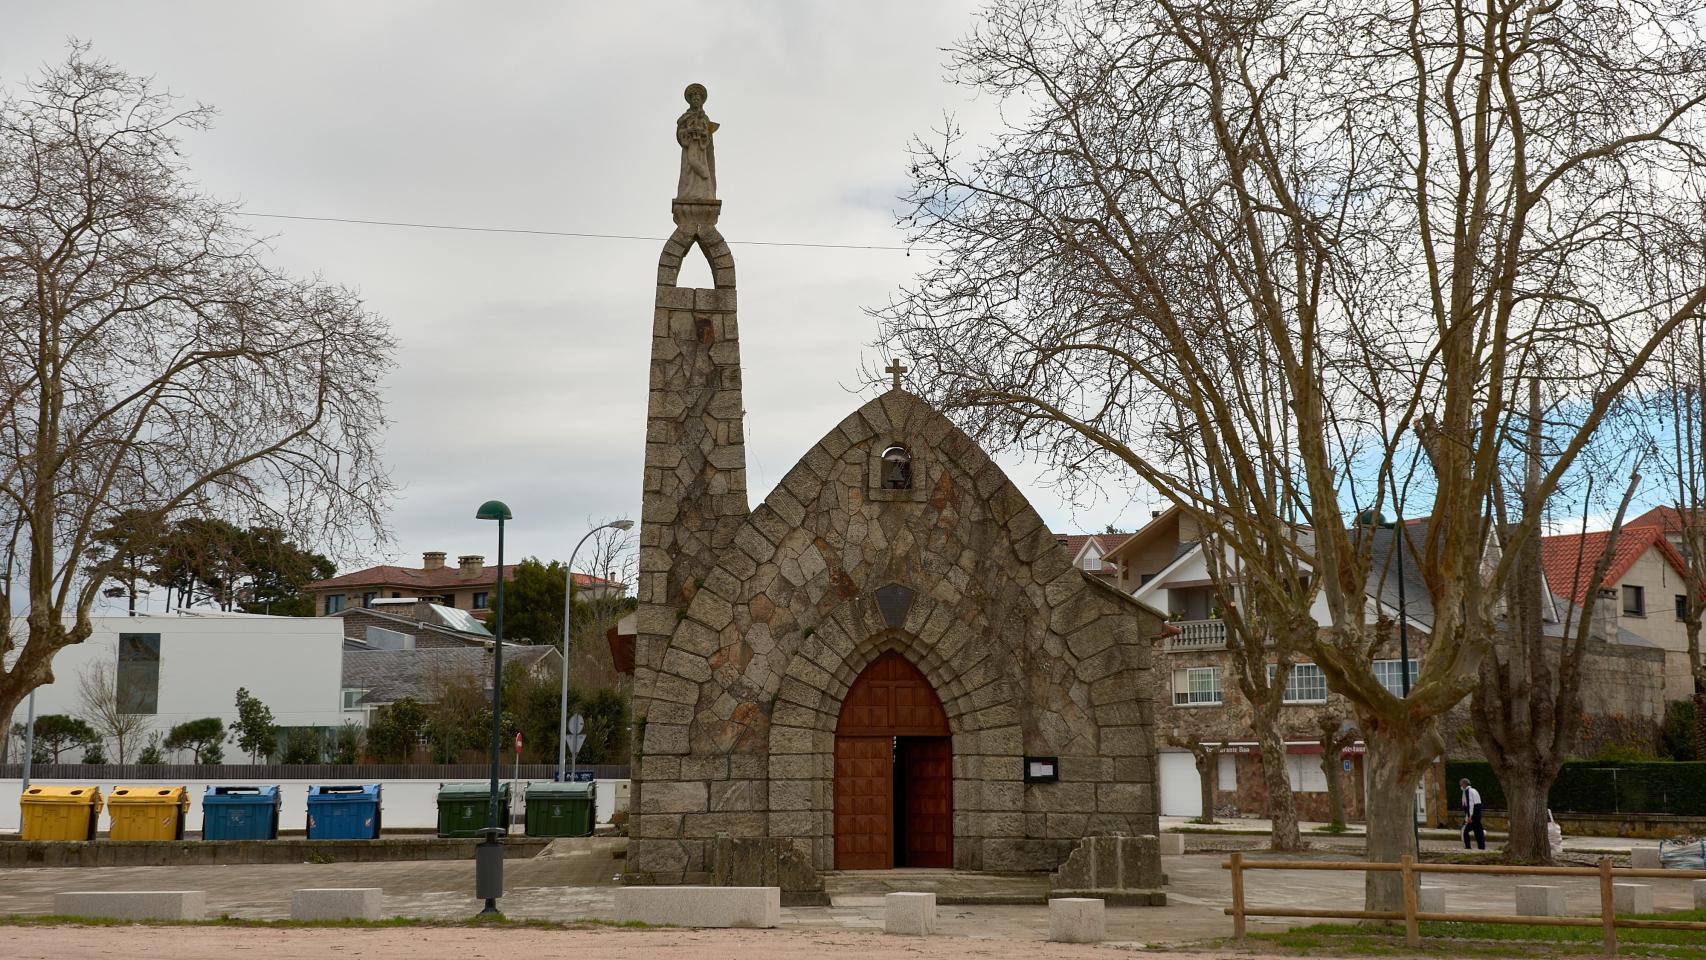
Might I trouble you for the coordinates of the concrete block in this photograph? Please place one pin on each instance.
(912, 914)
(1699, 894)
(1644, 858)
(1172, 844)
(1632, 897)
(701, 906)
(1539, 900)
(1430, 899)
(1076, 920)
(133, 904)
(337, 903)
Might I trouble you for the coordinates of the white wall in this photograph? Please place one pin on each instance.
(293, 664)
(403, 804)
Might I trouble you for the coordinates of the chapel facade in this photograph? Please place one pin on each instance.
(889, 662)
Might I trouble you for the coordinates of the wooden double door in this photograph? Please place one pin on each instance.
(894, 772)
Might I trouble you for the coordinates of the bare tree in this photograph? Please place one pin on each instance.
(100, 705)
(1392, 208)
(151, 365)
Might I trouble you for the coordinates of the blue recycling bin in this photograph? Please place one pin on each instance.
(239, 813)
(346, 812)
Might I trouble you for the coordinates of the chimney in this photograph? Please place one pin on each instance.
(1154, 514)
(1605, 616)
(471, 564)
(433, 560)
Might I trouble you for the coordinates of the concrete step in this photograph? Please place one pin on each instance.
(956, 887)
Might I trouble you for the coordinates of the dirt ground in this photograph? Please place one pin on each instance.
(226, 943)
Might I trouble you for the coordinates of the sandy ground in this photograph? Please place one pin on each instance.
(225, 943)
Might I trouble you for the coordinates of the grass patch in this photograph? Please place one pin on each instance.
(1470, 939)
(478, 920)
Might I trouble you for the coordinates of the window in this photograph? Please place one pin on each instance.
(352, 698)
(449, 599)
(897, 469)
(139, 673)
(1682, 606)
(479, 601)
(368, 597)
(1305, 684)
(1144, 578)
(334, 603)
(1194, 686)
(1390, 674)
(1634, 600)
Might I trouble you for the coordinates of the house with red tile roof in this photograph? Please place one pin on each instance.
(470, 585)
(1645, 590)
(1088, 549)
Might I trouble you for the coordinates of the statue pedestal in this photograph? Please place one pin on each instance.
(695, 212)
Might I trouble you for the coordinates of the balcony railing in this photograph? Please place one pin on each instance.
(1198, 635)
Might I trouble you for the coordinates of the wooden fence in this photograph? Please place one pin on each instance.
(1410, 870)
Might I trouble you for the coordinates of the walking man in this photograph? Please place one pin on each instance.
(1472, 815)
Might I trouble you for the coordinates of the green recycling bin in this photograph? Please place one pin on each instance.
(465, 808)
(561, 809)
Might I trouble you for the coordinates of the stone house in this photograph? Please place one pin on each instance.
(469, 586)
(1645, 591)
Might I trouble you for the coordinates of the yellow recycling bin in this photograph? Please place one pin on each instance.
(148, 813)
(60, 813)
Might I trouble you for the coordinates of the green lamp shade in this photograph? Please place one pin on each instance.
(493, 510)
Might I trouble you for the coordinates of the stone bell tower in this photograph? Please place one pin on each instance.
(695, 478)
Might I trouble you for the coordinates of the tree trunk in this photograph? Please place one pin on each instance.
(1391, 807)
(1330, 756)
(1699, 724)
(1282, 806)
(1526, 805)
(1208, 774)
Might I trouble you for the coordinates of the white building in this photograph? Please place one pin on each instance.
(181, 667)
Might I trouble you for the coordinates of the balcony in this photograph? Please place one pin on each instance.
(1197, 635)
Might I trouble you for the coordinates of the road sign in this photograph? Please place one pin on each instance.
(577, 723)
(575, 741)
(518, 743)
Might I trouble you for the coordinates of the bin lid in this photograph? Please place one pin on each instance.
(470, 791)
(240, 795)
(149, 793)
(343, 791)
(552, 790)
(78, 795)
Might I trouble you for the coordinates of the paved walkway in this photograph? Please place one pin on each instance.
(581, 886)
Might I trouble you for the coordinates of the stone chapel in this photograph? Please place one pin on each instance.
(889, 662)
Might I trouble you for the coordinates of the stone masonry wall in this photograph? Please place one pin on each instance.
(1029, 656)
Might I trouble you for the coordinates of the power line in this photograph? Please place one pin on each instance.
(579, 234)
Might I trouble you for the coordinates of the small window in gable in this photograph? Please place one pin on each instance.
(897, 469)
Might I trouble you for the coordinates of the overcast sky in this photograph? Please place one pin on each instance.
(522, 366)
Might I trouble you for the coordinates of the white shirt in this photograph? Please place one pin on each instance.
(1471, 799)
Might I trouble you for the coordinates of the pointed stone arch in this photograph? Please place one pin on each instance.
(710, 243)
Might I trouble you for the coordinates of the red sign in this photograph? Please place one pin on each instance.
(518, 743)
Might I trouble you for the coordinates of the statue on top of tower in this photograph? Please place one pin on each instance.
(693, 131)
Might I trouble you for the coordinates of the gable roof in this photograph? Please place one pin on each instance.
(420, 578)
(1076, 543)
(1569, 559)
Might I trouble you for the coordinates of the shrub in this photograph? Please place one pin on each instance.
(1676, 740)
(301, 746)
(1598, 786)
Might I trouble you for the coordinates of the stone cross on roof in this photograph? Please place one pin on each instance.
(895, 369)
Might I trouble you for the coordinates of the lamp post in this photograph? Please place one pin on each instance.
(488, 855)
(568, 614)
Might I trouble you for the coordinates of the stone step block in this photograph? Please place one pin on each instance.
(1076, 920)
(1172, 844)
(1430, 899)
(701, 906)
(1632, 897)
(910, 914)
(1644, 858)
(337, 903)
(132, 904)
(1539, 900)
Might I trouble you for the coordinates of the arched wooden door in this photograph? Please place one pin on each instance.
(894, 778)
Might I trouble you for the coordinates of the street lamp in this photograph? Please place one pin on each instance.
(568, 612)
(488, 855)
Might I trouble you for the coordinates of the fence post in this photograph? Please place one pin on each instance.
(1607, 907)
(1412, 930)
(1237, 860)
